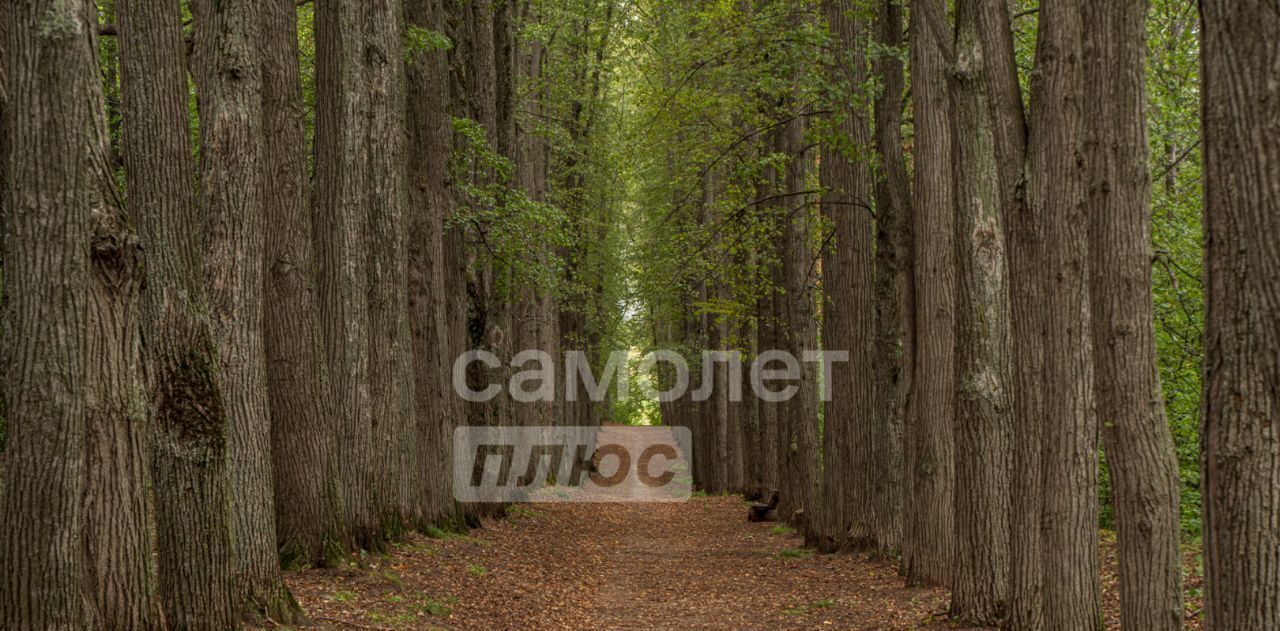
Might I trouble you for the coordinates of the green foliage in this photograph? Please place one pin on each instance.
(520, 236)
(419, 40)
(477, 570)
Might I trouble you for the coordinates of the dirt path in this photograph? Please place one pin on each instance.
(695, 565)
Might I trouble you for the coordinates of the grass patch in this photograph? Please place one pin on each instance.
(825, 603)
(417, 548)
(390, 618)
(477, 570)
(433, 607)
(342, 597)
(393, 578)
(782, 529)
(796, 553)
(523, 512)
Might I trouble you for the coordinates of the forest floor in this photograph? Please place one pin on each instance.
(695, 565)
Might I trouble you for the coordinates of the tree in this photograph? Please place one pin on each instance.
(1069, 466)
(930, 453)
(229, 85)
(984, 404)
(390, 342)
(895, 275)
(1023, 241)
(119, 541)
(54, 184)
(1240, 453)
(339, 204)
(1139, 447)
(852, 429)
(308, 506)
(190, 468)
(799, 414)
(431, 205)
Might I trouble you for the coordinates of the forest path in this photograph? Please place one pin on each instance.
(692, 565)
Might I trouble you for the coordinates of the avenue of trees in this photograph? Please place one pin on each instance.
(243, 242)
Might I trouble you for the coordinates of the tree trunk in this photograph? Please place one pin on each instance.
(228, 81)
(984, 403)
(118, 534)
(895, 284)
(338, 216)
(852, 430)
(1023, 240)
(930, 453)
(391, 347)
(1069, 527)
(308, 504)
(799, 414)
(190, 472)
(54, 185)
(1139, 446)
(431, 206)
(1239, 441)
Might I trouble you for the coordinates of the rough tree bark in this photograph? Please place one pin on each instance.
(1023, 237)
(799, 414)
(766, 339)
(431, 205)
(118, 537)
(190, 468)
(229, 85)
(852, 430)
(895, 277)
(1139, 446)
(1069, 467)
(304, 449)
(1239, 433)
(929, 531)
(984, 403)
(53, 186)
(338, 217)
(391, 386)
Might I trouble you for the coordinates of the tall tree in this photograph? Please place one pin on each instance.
(391, 346)
(341, 237)
(229, 86)
(119, 539)
(190, 472)
(54, 181)
(431, 205)
(984, 404)
(895, 275)
(1023, 241)
(1069, 465)
(1139, 446)
(1240, 446)
(308, 504)
(930, 453)
(851, 430)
